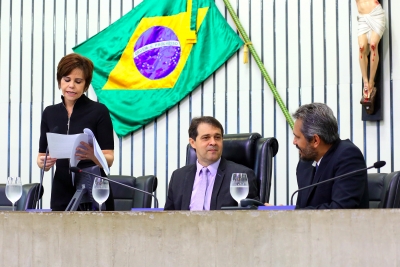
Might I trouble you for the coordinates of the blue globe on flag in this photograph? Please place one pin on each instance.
(157, 52)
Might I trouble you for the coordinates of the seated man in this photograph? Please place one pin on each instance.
(322, 156)
(206, 184)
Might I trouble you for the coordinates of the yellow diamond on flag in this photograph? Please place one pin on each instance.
(156, 53)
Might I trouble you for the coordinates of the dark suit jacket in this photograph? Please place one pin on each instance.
(344, 193)
(182, 180)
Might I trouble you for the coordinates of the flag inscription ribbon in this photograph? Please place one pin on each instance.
(155, 55)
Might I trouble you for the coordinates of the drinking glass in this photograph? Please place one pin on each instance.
(13, 190)
(239, 186)
(100, 191)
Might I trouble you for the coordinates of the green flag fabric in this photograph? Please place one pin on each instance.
(155, 55)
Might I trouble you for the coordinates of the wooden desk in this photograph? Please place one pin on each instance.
(216, 238)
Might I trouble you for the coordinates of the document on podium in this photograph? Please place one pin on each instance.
(63, 146)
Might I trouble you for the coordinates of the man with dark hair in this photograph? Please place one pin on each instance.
(206, 184)
(322, 156)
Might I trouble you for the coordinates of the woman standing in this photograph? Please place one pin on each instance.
(71, 116)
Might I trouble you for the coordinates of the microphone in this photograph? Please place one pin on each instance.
(37, 198)
(377, 165)
(77, 170)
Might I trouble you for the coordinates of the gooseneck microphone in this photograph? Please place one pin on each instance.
(38, 192)
(77, 170)
(37, 197)
(377, 165)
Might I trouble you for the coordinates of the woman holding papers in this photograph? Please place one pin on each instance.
(75, 112)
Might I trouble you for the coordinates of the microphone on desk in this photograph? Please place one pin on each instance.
(377, 165)
(38, 196)
(77, 170)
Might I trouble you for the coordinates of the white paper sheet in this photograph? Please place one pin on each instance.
(97, 150)
(63, 146)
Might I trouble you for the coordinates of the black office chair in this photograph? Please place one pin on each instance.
(27, 201)
(250, 150)
(384, 190)
(126, 198)
(376, 184)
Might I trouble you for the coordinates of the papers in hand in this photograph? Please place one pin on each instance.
(63, 146)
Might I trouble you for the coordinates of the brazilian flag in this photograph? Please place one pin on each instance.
(155, 55)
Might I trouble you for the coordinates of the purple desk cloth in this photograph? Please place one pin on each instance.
(38, 210)
(276, 207)
(148, 209)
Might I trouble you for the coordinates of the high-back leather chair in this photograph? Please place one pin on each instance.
(250, 150)
(376, 185)
(384, 190)
(27, 201)
(127, 198)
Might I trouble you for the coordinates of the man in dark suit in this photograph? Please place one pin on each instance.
(206, 184)
(322, 156)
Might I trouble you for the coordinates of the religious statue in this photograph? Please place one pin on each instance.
(371, 25)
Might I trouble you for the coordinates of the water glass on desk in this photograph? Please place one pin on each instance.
(239, 186)
(13, 190)
(100, 190)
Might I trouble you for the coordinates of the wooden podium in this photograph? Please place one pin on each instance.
(209, 238)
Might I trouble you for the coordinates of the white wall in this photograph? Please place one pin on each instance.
(309, 48)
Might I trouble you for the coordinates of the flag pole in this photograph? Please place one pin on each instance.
(259, 63)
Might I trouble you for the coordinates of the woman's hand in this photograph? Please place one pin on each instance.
(85, 152)
(49, 161)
